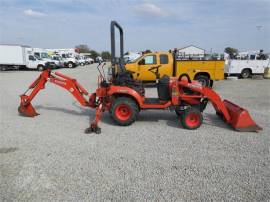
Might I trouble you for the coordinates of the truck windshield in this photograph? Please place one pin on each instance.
(132, 60)
(44, 55)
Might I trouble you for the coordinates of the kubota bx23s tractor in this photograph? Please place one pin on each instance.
(124, 98)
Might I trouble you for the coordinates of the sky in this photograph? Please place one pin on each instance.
(148, 24)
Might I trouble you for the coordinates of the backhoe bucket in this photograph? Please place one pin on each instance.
(240, 118)
(26, 108)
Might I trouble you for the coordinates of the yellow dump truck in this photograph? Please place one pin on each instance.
(205, 71)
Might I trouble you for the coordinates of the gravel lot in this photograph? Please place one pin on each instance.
(49, 158)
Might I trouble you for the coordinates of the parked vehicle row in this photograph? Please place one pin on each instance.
(206, 71)
(18, 57)
(25, 57)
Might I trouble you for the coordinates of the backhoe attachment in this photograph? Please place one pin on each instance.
(57, 78)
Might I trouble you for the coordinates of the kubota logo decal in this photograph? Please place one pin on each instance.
(195, 86)
(123, 91)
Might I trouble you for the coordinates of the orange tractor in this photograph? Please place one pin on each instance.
(123, 97)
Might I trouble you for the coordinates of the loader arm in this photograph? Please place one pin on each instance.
(231, 113)
(57, 78)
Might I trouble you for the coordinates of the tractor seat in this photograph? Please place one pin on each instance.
(125, 79)
(163, 88)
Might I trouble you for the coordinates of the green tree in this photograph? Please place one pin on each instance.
(231, 51)
(83, 48)
(106, 55)
(94, 54)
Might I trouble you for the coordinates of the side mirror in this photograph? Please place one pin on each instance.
(142, 62)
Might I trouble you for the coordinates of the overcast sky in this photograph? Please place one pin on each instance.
(147, 24)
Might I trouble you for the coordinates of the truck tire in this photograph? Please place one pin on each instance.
(3, 68)
(191, 118)
(203, 79)
(124, 111)
(40, 68)
(246, 73)
(70, 65)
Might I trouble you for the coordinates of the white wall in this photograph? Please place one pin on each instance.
(191, 50)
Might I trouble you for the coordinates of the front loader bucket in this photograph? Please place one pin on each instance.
(240, 118)
(26, 108)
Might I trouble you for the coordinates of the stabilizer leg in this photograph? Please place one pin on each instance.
(94, 124)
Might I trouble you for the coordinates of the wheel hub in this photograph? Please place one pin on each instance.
(123, 112)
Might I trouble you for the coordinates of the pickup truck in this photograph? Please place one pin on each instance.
(205, 71)
(247, 64)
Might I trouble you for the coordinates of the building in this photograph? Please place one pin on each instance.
(191, 52)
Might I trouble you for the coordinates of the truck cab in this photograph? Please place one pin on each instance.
(33, 62)
(58, 60)
(69, 60)
(141, 65)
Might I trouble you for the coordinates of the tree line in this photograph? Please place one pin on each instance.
(106, 55)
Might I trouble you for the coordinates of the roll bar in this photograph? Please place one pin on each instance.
(113, 58)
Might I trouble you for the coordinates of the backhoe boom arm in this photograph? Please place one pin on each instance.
(57, 78)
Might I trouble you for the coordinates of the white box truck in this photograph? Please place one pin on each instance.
(18, 57)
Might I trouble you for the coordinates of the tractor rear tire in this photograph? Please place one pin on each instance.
(191, 118)
(124, 111)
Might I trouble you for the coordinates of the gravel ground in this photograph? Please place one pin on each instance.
(49, 158)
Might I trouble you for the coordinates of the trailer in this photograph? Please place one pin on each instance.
(19, 57)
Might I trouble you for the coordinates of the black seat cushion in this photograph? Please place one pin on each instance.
(164, 88)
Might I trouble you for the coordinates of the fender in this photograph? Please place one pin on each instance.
(127, 91)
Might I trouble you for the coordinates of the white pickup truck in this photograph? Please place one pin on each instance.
(19, 57)
(67, 55)
(69, 61)
(250, 64)
(42, 54)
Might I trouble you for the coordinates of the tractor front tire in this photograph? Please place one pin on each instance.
(124, 111)
(191, 118)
